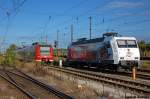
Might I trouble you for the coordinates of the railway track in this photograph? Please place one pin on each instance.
(140, 74)
(145, 58)
(27, 93)
(144, 70)
(138, 87)
(31, 87)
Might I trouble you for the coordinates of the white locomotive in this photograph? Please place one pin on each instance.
(111, 51)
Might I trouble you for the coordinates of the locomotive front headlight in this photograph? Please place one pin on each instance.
(121, 57)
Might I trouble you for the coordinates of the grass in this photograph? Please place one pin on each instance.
(146, 64)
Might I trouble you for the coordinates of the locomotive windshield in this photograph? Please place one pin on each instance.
(45, 51)
(127, 44)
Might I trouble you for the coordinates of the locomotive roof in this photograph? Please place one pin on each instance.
(114, 34)
(29, 46)
(42, 44)
(84, 41)
(46, 45)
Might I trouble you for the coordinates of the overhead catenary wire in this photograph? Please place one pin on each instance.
(8, 16)
(63, 13)
(12, 11)
(88, 11)
(45, 27)
(69, 21)
(129, 23)
(78, 16)
(104, 21)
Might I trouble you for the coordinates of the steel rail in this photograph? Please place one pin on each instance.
(98, 74)
(144, 70)
(104, 74)
(127, 84)
(27, 93)
(142, 75)
(41, 84)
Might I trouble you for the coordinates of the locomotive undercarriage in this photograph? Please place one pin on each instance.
(101, 66)
(129, 64)
(126, 65)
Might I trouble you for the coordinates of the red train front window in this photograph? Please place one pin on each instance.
(45, 51)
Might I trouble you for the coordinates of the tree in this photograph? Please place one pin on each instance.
(10, 55)
(148, 47)
(144, 48)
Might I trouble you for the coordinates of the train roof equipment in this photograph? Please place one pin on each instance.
(114, 34)
(100, 39)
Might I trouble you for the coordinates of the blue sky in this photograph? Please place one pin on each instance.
(32, 20)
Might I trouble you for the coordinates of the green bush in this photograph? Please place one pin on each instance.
(10, 56)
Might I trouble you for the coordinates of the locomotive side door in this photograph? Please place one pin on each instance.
(115, 52)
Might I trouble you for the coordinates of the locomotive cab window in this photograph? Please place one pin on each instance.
(121, 43)
(126, 43)
(131, 43)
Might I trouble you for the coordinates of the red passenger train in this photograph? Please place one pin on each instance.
(37, 52)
